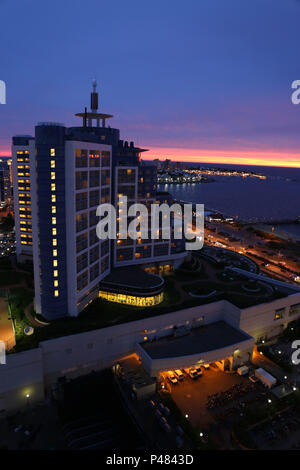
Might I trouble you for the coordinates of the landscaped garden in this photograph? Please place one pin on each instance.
(198, 281)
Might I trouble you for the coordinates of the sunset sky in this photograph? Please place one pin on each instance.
(205, 80)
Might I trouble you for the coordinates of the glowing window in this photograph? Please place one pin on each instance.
(53, 209)
(55, 263)
(55, 273)
(52, 152)
(54, 231)
(56, 293)
(52, 163)
(53, 220)
(54, 252)
(54, 242)
(55, 283)
(53, 187)
(53, 175)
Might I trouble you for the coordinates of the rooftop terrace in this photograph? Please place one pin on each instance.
(198, 282)
(206, 338)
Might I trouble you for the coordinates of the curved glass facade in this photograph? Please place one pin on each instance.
(150, 301)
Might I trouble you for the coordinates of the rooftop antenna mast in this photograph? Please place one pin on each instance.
(94, 115)
(94, 97)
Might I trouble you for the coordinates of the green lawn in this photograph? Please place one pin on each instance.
(99, 314)
(18, 300)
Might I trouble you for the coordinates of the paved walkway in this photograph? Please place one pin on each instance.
(7, 334)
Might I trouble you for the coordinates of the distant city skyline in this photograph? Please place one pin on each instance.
(210, 83)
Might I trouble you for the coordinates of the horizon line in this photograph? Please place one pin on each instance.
(268, 158)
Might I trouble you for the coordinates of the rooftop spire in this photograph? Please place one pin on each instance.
(89, 116)
(94, 96)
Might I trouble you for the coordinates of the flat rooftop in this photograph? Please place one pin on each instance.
(206, 338)
(132, 276)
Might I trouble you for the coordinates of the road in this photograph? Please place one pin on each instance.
(241, 240)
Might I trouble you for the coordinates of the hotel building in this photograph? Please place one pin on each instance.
(22, 150)
(60, 177)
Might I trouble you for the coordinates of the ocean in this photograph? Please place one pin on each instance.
(276, 199)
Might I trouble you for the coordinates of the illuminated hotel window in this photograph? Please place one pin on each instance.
(55, 263)
(54, 252)
(55, 273)
(53, 209)
(53, 175)
(54, 231)
(56, 293)
(53, 198)
(54, 242)
(52, 152)
(53, 220)
(132, 300)
(55, 283)
(52, 163)
(279, 313)
(53, 187)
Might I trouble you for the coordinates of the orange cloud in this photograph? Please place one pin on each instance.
(5, 153)
(253, 157)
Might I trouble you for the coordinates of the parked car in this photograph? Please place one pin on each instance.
(193, 373)
(179, 374)
(172, 377)
(198, 370)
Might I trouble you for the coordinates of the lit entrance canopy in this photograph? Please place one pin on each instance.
(209, 343)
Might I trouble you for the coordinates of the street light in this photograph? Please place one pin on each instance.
(186, 416)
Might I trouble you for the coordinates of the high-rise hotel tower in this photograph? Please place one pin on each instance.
(60, 177)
